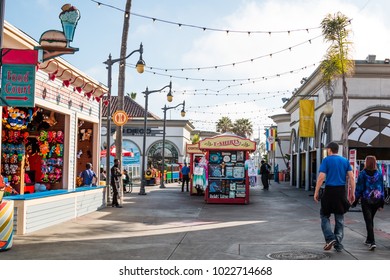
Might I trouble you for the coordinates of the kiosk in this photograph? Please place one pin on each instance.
(228, 182)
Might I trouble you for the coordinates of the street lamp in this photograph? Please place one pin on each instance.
(328, 111)
(140, 69)
(169, 99)
(182, 113)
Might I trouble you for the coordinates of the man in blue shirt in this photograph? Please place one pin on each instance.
(335, 169)
(185, 172)
(87, 175)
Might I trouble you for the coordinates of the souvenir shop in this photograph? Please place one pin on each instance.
(226, 158)
(32, 149)
(49, 131)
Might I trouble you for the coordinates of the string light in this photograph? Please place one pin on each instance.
(237, 103)
(233, 80)
(248, 32)
(185, 92)
(234, 63)
(247, 113)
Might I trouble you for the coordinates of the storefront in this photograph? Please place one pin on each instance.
(46, 146)
(368, 121)
(178, 133)
(228, 180)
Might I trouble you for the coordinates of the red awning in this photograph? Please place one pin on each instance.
(125, 153)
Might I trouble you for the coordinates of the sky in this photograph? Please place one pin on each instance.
(233, 58)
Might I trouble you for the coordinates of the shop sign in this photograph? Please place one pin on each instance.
(193, 149)
(17, 85)
(134, 131)
(18, 78)
(227, 143)
(120, 118)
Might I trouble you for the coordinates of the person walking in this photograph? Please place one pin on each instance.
(87, 175)
(370, 191)
(116, 176)
(334, 170)
(264, 172)
(185, 172)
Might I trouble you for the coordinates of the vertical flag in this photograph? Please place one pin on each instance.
(306, 118)
(270, 134)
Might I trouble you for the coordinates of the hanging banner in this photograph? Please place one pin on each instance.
(306, 118)
(270, 134)
(18, 77)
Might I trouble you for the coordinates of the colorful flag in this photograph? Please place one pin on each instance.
(270, 134)
(306, 118)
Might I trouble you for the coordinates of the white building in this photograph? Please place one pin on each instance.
(177, 134)
(368, 120)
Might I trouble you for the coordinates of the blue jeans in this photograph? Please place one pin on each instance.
(338, 232)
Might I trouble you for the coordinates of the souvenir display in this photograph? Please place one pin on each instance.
(30, 155)
(228, 181)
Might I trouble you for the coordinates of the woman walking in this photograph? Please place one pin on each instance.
(370, 190)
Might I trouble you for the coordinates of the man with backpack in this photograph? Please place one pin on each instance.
(264, 172)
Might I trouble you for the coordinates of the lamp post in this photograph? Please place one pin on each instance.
(140, 69)
(328, 111)
(169, 99)
(182, 113)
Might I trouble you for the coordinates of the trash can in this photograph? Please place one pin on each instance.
(6, 224)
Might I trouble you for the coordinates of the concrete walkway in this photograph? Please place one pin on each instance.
(167, 224)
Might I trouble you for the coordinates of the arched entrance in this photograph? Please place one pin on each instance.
(133, 163)
(155, 154)
(369, 134)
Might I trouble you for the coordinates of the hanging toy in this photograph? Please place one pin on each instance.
(13, 158)
(52, 150)
(52, 178)
(44, 166)
(60, 162)
(42, 136)
(60, 137)
(58, 173)
(57, 150)
(25, 137)
(44, 149)
(45, 178)
(15, 179)
(5, 158)
(4, 136)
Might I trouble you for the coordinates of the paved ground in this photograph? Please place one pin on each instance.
(166, 224)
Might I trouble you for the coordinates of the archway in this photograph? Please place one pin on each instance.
(155, 154)
(369, 134)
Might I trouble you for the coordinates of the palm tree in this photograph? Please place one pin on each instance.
(195, 138)
(224, 125)
(121, 75)
(243, 127)
(337, 63)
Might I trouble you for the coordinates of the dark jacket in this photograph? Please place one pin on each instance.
(115, 175)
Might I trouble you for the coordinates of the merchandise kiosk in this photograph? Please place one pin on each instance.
(197, 186)
(228, 181)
